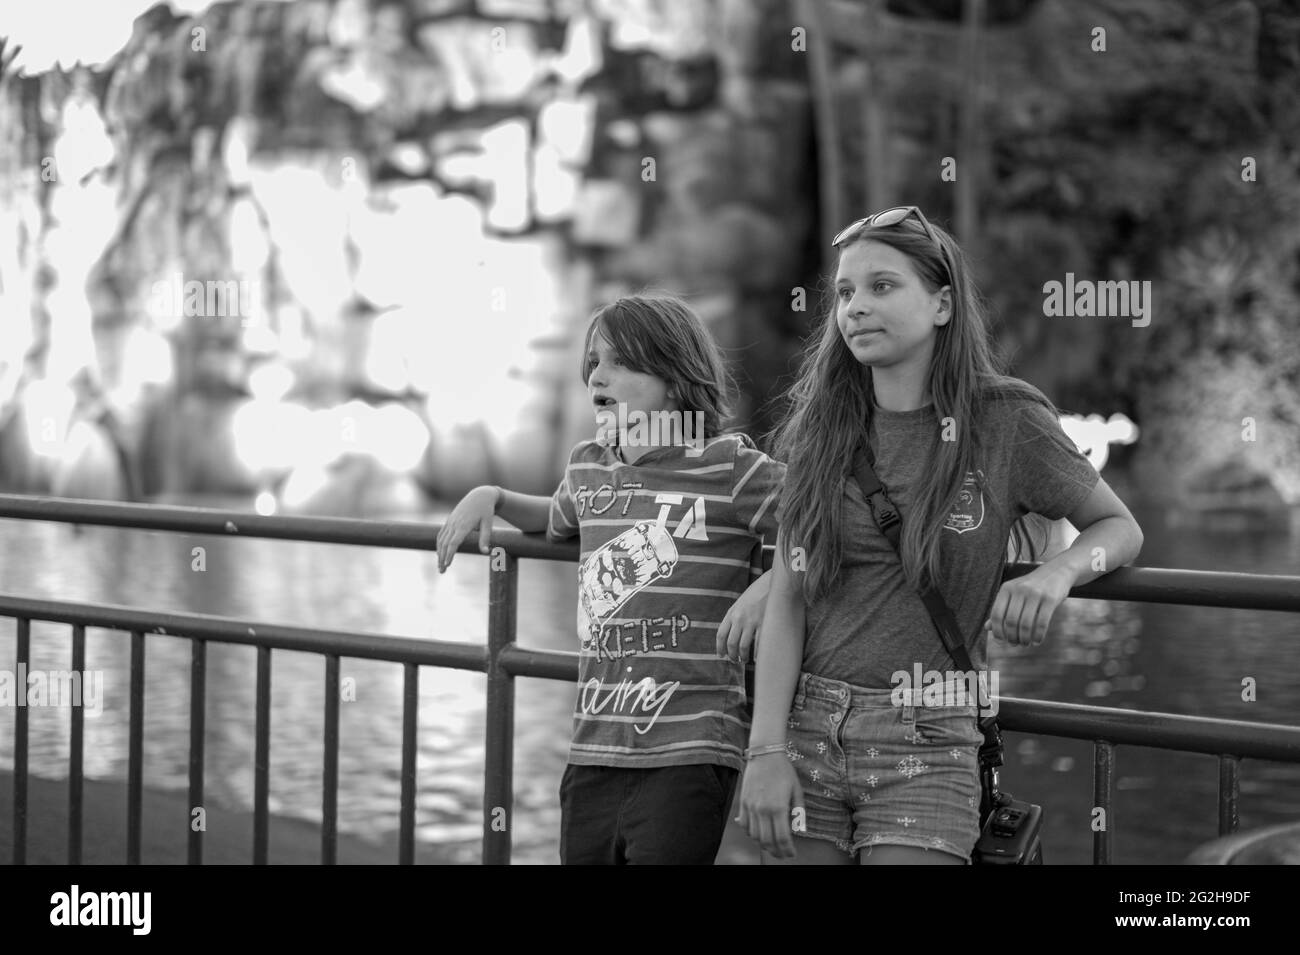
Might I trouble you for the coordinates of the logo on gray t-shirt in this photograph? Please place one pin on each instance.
(968, 513)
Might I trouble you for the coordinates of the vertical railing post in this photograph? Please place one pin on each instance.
(1103, 797)
(76, 750)
(135, 752)
(198, 723)
(410, 720)
(24, 641)
(329, 823)
(498, 760)
(262, 755)
(1229, 793)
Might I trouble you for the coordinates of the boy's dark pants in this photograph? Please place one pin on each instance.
(671, 815)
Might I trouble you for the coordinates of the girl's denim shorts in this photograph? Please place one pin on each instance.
(876, 773)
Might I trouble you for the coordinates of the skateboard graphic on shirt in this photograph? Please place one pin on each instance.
(616, 571)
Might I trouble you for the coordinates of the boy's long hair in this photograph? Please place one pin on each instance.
(661, 335)
(831, 408)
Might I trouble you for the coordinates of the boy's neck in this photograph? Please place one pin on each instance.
(630, 455)
(641, 432)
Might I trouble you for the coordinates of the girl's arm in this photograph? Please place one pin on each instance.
(1109, 537)
(770, 790)
(779, 655)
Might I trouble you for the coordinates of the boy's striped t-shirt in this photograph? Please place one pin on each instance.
(667, 546)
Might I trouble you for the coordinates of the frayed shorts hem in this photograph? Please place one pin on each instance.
(911, 842)
(889, 839)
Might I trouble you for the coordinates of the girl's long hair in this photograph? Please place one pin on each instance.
(661, 335)
(831, 409)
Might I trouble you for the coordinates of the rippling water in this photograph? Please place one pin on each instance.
(1149, 657)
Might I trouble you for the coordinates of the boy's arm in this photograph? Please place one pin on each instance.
(475, 511)
(756, 490)
(743, 619)
(528, 512)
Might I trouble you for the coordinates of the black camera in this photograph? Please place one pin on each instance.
(1011, 835)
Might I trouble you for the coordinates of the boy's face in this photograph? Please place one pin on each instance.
(612, 383)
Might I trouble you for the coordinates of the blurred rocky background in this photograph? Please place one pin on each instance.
(338, 255)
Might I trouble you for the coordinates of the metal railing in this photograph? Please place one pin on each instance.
(502, 660)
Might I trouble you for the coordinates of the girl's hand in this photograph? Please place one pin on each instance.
(769, 793)
(475, 509)
(1024, 606)
(741, 623)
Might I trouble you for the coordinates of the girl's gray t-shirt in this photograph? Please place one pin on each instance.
(872, 623)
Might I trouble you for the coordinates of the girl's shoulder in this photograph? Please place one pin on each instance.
(1011, 411)
(1003, 396)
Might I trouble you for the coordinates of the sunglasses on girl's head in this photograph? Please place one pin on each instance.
(892, 217)
(887, 218)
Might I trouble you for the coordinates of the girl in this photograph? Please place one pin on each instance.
(671, 515)
(903, 367)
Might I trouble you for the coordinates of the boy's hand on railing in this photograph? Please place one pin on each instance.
(769, 794)
(476, 509)
(741, 623)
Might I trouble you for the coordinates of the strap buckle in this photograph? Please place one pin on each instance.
(886, 514)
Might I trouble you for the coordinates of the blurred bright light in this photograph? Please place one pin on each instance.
(61, 32)
(398, 437)
(84, 144)
(1094, 435)
(270, 382)
(265, 504)
(307, 224)
(249, 248)
(304, 484)
(47, 407)
(146, 360)
(272, 435)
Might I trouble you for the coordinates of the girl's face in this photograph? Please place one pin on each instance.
(885, 314)
(612, 383)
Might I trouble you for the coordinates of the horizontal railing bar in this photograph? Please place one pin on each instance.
(1195, 588)
(1130, 727)
(1144, 584)
(1192, 734)
(547, 664)
(442, 653)
(410, 535)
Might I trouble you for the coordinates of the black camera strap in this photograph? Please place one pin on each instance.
(890, 523)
